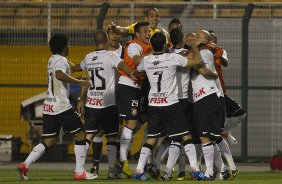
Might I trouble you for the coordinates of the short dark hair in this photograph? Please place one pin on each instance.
(157, 41)
(176, 36)
(58, 42)
(174, 21)
(137, 27)
(150, 9)
(100, 37)
(211, 31)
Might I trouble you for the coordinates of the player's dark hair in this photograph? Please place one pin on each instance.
(137, 27)
(100, 37)
(174, 21)
(58, 42)
(150, 9)
(157, 41)
(176, 36)
(213, 36)
(211, 31)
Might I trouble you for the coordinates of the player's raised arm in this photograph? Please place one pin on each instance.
(118, 29)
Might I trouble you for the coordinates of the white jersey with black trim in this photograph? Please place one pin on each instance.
(101, 67)
(203, 87)
(133, 49)
(161, 72)
(182, 76)
(57, 97)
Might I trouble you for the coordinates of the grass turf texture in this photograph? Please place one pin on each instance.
(64, 177)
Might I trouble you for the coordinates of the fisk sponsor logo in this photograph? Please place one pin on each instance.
(200, 92)
(158, 100)
(48, 108)
(94, 101)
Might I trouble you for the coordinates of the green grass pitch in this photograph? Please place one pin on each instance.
(64, 177)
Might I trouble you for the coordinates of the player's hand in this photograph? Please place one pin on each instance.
(198, 42)
(80, 107)
(112, 26)
(132, 75)
(80, 110)
(183, 53)
(190, 55)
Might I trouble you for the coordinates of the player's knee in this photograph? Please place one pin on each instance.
(80, 136)
(131, 124)
(49, 142)
(177, 139)
(151, 141)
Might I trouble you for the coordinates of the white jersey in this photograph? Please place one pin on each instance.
(161, 72)
(119, 51)
(132, 50)
(101, 67)
(182, 76)
(203, 87)
(57, 98)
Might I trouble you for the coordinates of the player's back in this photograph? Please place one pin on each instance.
(161, 72)
(202, 86)
(101, 70)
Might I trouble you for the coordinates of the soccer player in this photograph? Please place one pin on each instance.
(127, 94)
(183, 79)
(114, 46)
(235, 114)
(152, 15)
(174, 24)
(206, 96)
(58, 112)
(165, 112)
(101, 113)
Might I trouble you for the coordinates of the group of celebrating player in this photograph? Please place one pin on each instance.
(172, 83)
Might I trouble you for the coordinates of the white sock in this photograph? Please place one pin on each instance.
(97, 139)
(163, 150)
(182, 160)
(111, 152)
(224, 149)
(173, 154)
(125, 142)
(218, 162)
(150, 159)
(233, 122)
(190, 151)
(80, 155)
(208, 152)
(144, 154)
(35, 154)
(87, 147)
(199, 153)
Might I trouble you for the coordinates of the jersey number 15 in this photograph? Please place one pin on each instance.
(95, 72)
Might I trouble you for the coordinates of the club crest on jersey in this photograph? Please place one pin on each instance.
(94, 58)
(156, 62)
(134, 111)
